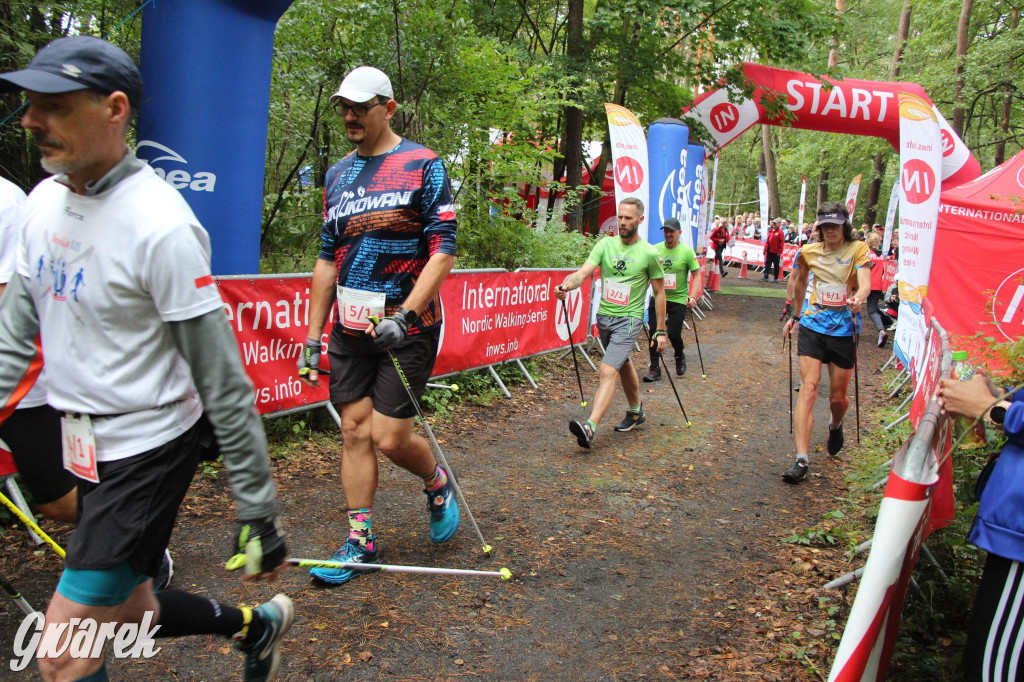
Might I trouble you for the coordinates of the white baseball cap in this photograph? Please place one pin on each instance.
(363, 83)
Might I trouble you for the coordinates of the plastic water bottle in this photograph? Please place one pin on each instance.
(963, 370)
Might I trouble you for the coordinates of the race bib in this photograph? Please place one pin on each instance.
(79, 446)
(616, 292)
(355, 307)
(831, 295)
(670, 281)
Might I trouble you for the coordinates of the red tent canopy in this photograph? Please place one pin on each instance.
(977, 275)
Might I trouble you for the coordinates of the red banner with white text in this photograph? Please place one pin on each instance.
(489, 318)
(496, 316)
(269, 317)
(753, 251)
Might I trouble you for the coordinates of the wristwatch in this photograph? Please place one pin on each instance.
(997, 413)
(409, 315)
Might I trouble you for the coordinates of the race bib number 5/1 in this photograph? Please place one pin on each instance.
(616, 292)
(79, 446)
(356, 306)
(831, 295)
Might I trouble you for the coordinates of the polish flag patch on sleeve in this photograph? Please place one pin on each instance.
(446, 212)
(204, 281)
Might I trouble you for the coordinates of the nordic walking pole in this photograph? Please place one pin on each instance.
(790, 382)
(695, 336)
(856, 382)
(32, 524)
(669, 375)
(13, 593)
(437, 448)
(575, 363)
(502, 573)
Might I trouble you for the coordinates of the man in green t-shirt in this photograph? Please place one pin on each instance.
(677, 261)
(628, 265)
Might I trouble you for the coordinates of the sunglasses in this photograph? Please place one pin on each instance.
(359, 110)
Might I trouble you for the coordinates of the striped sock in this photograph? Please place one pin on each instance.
(359, 522)
(436, 481)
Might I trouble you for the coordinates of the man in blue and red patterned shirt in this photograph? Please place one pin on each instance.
(388, 242)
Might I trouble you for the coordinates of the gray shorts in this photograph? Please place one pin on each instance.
(618, 335)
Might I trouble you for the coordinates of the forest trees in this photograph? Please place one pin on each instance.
(510, 93)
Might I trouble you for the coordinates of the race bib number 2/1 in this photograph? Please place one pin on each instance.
(79, 446)
(831, 295)
(616, 292)
(355, 307)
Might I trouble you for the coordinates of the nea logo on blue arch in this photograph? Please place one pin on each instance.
(175, 176)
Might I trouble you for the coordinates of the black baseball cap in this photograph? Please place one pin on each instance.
(835, 216)
(671, 224)
(78, 63)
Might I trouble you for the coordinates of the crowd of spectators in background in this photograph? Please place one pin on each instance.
(748, 226)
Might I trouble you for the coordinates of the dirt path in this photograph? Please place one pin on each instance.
(655, 555)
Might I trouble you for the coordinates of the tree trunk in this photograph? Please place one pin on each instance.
(1004, 122)
(875, 188)
(774, 205)
(833, 54)
(962, 43)
(572, 143)
(901, 43)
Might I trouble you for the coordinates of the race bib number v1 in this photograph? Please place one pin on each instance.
(616, 292)
(79, 446)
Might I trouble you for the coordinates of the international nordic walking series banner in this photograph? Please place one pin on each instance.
(890, 216)
(489, 318)
(920, 162)
(803, 202)
(851, 195)
(629, 157)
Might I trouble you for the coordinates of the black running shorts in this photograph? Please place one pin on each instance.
(830, 350)
(129, 514)
(359, 370)
(33, 436)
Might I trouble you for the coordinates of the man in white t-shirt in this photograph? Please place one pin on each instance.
(113, 278)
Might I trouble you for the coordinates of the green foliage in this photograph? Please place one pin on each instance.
(476, 386)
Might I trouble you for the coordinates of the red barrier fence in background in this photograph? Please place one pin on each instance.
(490, 318)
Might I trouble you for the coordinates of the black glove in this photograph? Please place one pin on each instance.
(309, 358)
(259, 547)
(390, 331)
(788, 310)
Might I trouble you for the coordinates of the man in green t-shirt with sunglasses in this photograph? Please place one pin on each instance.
(628, 265)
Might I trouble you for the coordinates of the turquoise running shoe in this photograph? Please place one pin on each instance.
(351, 551)
(263, 657)
(444, 512)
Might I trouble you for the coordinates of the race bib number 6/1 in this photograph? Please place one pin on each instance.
(355, 307)
(616, 292)
(831, 295)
